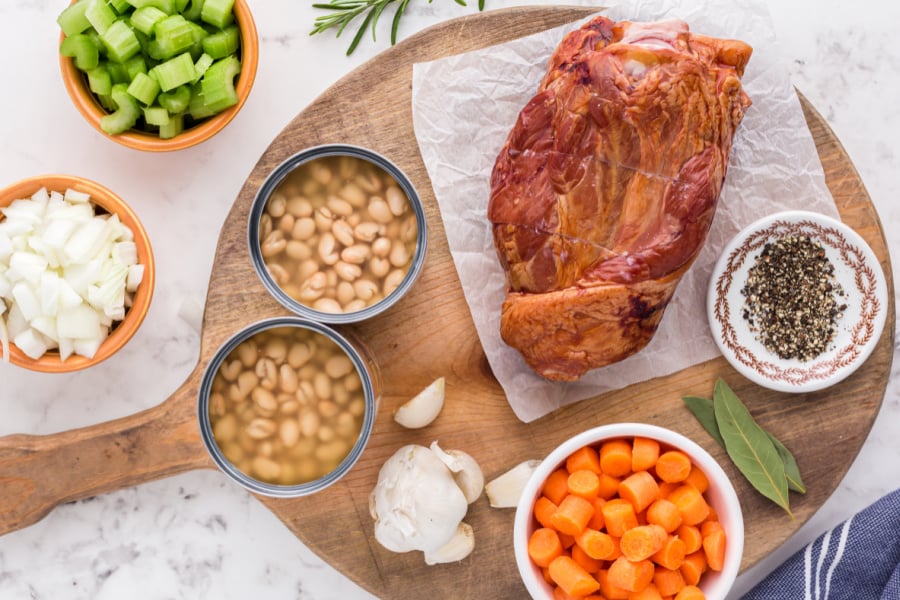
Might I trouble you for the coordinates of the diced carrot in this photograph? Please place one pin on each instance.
(589, 564)
(596, 521)
(642, 542)
(597, 544)
(691, 537)
(557, 486)
(663, 512)
(668, 582)
(644, 454)
(545, 571)
(690, 592)
(697, 478)
(543, 510)
(651, 592)
(560, 594)
(712, 516)
(572, 515)
(707, 527)
(693, 567)
(566, 540)
(544, 546)
(673, 466)
(640, 489)
(584, 483)
(714, 548)
(572, 577)
(610, 591)
(585, 457)
(609, 486)
(672, 554)
(666, 488)
(619, 516)
(615, 458)
(631, 575)
(690, 503)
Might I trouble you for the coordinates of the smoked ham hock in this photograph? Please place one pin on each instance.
(605, 189)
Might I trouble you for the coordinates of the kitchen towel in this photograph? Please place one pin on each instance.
(857, 560)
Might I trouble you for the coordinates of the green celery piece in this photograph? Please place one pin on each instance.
(180, 5)
(218, 83)
(82, 50)
(127, 111)
(167, 6)
(198, 109)
(175, 101)
(145, 18)
(72, 19)
(144, 88)
(174, 72)
(120, 41)
(156, 115)
(223, 43)
(107, 103)
(203, 63)
(192, 10)
(173, 127)
(199, 34)
(173, 35)
(135, 65)
(95, 37)
(218, 13)
(100, 81)
(100, 15)
(120, 6)
(117, 72)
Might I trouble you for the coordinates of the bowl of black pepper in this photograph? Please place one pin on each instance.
(797, 301)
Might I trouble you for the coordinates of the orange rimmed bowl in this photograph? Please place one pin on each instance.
(88, 105)
(123, 331)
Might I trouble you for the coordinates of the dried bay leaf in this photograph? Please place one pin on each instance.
(750, 447)
(791, 468)
(705, 413)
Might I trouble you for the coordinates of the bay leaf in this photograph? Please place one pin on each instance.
(705, 413)
(750, 447)
(791, 468)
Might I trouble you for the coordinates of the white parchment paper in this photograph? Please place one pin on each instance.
(463, 109)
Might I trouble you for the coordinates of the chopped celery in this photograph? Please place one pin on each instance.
(118, 72)
(218, 83)
(173, 127)
(82, 50)
(72, 20)
(222, 43)
(192, 10)
(173, 36)
(167, 6)
(177, 100)
(156, 115)
(100, 15)
(127, 111)
(145, 18)
(144, 88)
(120, 6)
(100, 81)
(174, 72)
(107, 102)
(135, 65)
(198, 108)
(217, 13)
(95, 37)
(180, 5)
(199, 34)
(202, 64)
(120, 42)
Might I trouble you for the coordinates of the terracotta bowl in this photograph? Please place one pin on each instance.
(88, 105)
(125, 329)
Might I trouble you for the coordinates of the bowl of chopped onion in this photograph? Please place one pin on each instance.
(76, 273)
(162, 76)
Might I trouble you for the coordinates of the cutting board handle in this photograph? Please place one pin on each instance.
(38, 472)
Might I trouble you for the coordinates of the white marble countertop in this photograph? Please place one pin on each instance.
(197, 535)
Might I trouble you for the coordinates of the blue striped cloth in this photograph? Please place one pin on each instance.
(857, 560)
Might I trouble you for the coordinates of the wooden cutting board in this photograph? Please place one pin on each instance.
(430, 333)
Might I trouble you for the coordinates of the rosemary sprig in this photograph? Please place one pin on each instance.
(343, 12)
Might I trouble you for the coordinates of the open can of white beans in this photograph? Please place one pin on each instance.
(337, 233)
(286, 406)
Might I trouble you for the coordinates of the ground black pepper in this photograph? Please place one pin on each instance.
(792, 298)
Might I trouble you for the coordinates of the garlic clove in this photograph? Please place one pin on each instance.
(459, 547)
(466, 472)
(423, 408)
(505, 490)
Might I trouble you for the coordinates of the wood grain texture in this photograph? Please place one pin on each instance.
(431, 333)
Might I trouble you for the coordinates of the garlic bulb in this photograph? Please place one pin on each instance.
(418, 504)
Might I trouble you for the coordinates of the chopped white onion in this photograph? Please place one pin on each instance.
(66, 274)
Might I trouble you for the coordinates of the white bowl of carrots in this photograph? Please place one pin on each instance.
(629, 510)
